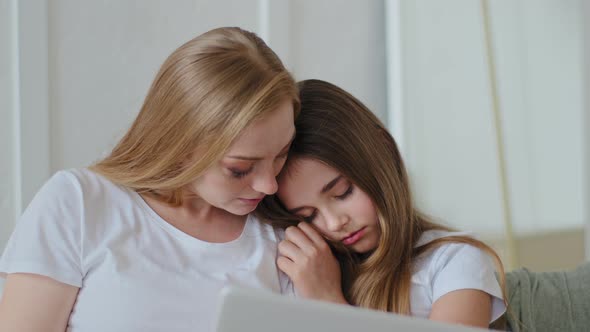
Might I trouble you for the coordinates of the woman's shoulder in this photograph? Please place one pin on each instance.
(80, 192)
(86, 183)
(77, 191)
(84, 177)
(63, 185)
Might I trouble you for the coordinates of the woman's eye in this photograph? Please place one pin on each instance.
(346, 193)
(238, 174)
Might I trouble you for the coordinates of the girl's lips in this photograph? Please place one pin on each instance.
(354, 237)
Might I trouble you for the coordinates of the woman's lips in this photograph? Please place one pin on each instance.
(251, 201)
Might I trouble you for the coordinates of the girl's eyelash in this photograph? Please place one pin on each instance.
(346, 193)
(309, 218)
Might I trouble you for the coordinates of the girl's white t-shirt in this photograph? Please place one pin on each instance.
(452, 267)
(136, 272)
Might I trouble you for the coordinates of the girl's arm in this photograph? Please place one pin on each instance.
(33, 302)
(466, 307)
(307, 259)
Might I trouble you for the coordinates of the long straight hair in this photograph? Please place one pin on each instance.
(338, 130)
(204, 95)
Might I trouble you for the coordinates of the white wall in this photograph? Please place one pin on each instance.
(103, 57)
(342, 42)
(450, 144)
(7, 130)
(7, 134)
(586, 120)
(107, 71)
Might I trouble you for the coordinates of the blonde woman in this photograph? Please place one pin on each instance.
(144, 239)
(345, 184)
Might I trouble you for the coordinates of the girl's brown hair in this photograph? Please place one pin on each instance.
(338, 130)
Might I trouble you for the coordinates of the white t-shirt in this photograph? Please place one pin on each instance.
(452, 267)
(136, 272)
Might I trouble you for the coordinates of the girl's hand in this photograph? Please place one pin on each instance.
(306, 258)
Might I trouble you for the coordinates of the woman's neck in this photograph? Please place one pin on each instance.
(199, 219)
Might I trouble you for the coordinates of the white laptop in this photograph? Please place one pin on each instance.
(244, 310)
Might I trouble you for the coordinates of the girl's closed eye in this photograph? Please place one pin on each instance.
(346, 193)
(309, 218)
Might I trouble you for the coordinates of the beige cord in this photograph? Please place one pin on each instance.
(511, 254)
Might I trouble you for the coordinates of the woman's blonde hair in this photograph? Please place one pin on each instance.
(338, 130)
(204, 95)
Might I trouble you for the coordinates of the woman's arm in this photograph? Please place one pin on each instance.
(33, 302)
(466, 307)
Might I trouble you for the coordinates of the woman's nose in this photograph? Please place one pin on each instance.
(266, 182)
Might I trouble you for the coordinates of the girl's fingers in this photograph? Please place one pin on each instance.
(289, 250)
(313, 235)
(299, 238)
(286, 265)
